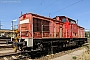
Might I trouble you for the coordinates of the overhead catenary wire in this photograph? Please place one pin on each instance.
(39, 5)
(48, 6)
(67, 6)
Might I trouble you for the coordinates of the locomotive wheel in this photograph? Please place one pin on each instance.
(40, 46)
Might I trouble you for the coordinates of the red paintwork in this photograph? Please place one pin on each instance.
(81, 33)
(57, 28)
(24, 27)
(70, 30)
(24, 16)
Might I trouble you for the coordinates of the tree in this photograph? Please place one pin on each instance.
(87, 34)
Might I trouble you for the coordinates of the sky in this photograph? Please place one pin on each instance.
(74, 9)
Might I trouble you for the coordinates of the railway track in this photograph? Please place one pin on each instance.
(13, 56)
(9, 54)
(3, 42)
(21, 56)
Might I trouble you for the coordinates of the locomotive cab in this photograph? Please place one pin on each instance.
(70, 28)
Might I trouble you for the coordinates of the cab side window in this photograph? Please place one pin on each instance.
(64, 20)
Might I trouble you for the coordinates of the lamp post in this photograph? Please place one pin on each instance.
(13, 26)
(13, 23)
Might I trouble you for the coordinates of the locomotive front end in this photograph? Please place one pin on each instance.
(25, 29)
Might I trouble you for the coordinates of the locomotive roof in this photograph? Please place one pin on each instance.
(67, 17)
(81, 27)
(39, 16)
(47, 17)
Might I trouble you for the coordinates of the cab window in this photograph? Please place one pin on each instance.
(64, 20)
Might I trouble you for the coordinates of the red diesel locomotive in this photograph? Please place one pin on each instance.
(46, 34)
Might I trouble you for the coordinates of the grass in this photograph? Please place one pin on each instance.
(74, 57)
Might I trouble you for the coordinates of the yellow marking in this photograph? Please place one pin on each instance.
(16, 31)
(15, 48)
